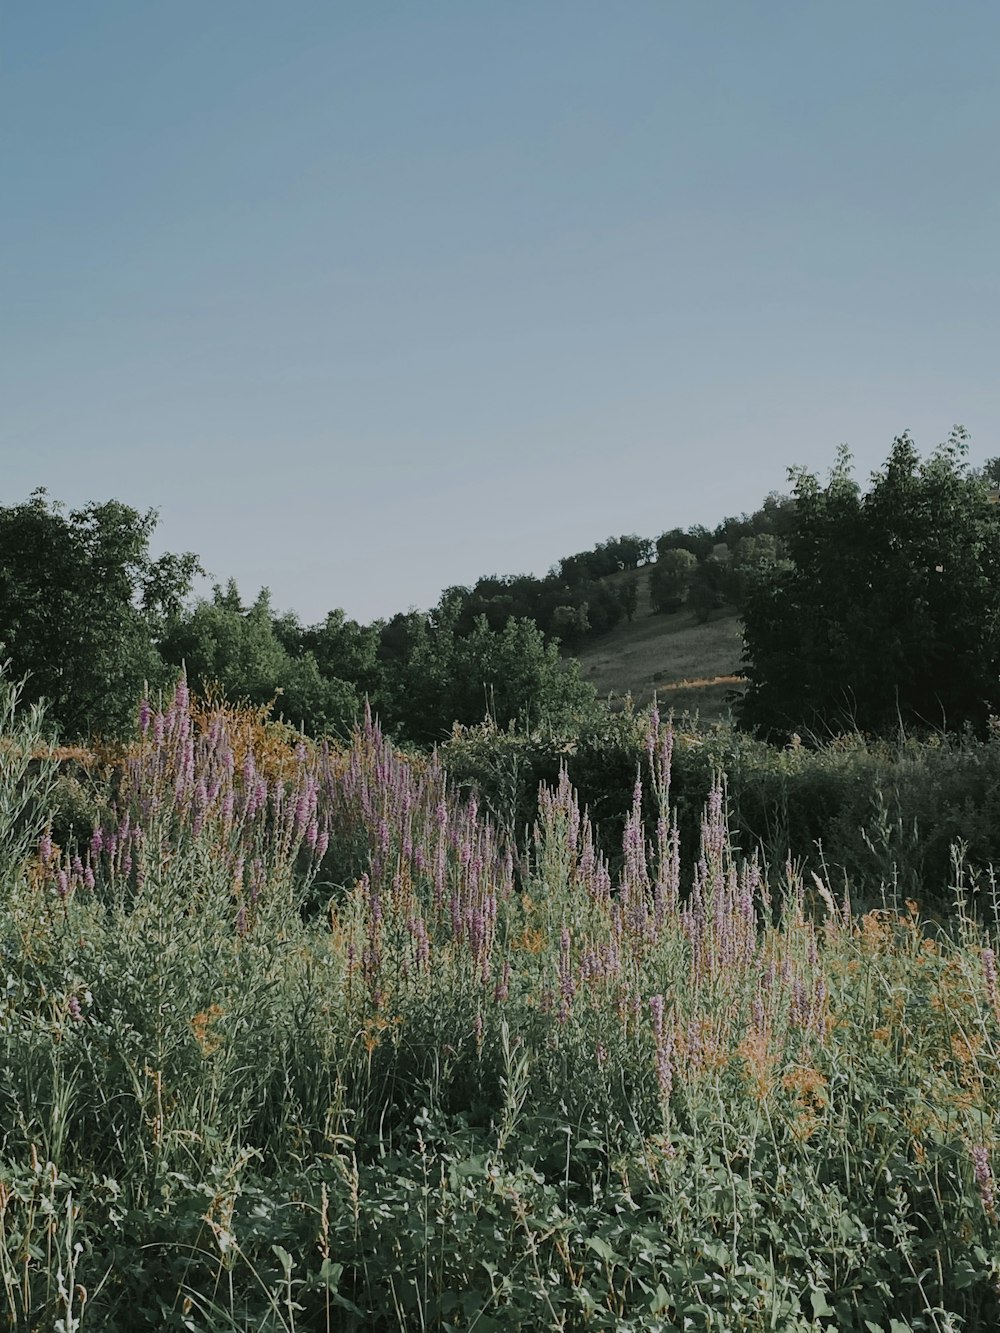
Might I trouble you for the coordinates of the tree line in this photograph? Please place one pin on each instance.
(863, 610)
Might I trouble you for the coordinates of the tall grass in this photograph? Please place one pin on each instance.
(880, 815)
(293, 1040)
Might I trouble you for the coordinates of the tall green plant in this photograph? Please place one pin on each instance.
(27, 773)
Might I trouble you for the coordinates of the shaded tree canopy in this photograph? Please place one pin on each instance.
(82, 603)
(511, 675)
(255, 656)
(671, 577)
(889, 611)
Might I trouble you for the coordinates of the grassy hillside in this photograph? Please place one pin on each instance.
(690, 667)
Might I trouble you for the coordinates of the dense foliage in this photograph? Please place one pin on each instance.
(81, 605)
(859, 612)
(88, 618)
(255, 656)
(289, 1041)
(887, 815)
(888, 613)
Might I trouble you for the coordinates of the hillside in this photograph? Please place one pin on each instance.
(690, 667)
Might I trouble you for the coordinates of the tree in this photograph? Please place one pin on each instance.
(697, 539)
(670, 579)
(711, 583)
(628, 595)
(889, 612)
(344, 649)
(82, 604)
(570, 624)
(243, 650)
(628, 551)
(754, 558)
(513, 676)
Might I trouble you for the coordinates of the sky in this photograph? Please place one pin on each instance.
(369, 299)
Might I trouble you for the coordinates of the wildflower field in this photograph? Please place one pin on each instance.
(294, 1038)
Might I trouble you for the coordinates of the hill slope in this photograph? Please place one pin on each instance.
(690, 667)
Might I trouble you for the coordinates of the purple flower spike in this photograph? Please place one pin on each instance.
(984, 1177)
(664, 1044)
(989, 960)
(567, 986)
(799, 1009)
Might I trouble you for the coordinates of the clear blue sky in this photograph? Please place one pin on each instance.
(371, 298)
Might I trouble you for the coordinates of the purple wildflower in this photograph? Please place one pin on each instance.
(664, 1044)
(800, 1005)
(983, 1172)
(989, 960)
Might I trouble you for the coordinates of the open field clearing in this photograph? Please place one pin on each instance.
(687, 665)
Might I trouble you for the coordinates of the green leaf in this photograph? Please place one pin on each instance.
(660, 1300)
(474, 1166)
(963, 1274)
(330, 1274)
(601, 1247)
(820, 1304)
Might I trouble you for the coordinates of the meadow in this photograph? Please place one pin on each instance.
(294, 1036)
(688, 665)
